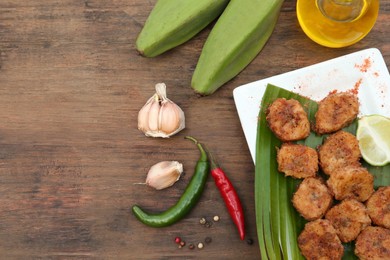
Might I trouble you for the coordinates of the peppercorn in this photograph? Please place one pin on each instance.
(191, 246)
(177, 240)
(208, 224)
(207, 240)
(249, 241)
(182, 243)
(216, 218)
(202, 221)
(200, 245)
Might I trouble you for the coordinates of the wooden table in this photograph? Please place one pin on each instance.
(71, 85)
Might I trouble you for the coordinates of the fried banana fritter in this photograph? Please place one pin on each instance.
(288, 120)
(351, 182)
(336, 111)
(319, 240)
(340, 149)
(349, 218)
(378, 206)
(296, 160)
(373, 243)
(312, 198)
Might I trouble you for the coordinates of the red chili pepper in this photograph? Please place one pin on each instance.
(229, 195)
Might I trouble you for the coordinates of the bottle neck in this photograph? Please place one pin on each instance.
(343, 10)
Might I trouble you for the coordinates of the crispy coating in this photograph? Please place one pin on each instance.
(373, 243)
(378, 206)
(336, 111)
(340, 149)
(296, 160)
(312, 198)
(349, 218)
(351, 182)
(319, 240)
(288, 120)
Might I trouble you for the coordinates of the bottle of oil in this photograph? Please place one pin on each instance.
(337, 23)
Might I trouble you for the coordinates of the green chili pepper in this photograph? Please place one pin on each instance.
(186, 202)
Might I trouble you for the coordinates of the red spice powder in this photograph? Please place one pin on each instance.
(356, 87)
(365, 66)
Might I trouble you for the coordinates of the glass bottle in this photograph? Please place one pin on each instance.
(337, 23)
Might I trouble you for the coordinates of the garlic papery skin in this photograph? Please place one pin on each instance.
(164, 174)
(160, 116)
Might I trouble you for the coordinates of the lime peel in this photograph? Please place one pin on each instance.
(373, 133)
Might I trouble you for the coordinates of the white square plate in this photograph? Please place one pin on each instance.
(364, 71)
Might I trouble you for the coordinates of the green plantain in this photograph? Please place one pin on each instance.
(235, 40)
(173, 22)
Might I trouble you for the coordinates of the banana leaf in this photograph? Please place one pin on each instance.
(278, 223)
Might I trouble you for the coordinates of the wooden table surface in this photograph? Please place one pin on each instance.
(71, 86)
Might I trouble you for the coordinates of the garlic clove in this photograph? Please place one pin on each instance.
(153, 115)
(143, 115)
(164, 174)
(170, 118)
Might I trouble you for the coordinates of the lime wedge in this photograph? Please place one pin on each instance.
(373, 133)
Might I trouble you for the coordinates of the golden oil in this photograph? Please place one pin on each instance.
(337, 23)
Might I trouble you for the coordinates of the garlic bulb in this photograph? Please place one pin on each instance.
(164, 174)
(160, 117)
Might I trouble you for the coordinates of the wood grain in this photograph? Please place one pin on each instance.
(71, 85)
